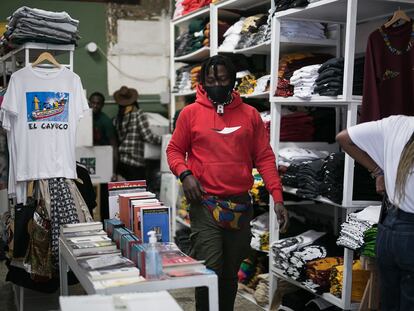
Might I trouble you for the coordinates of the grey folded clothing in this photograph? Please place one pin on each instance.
(20, 36)
(65, 26)
(25, 11)
(45, 31)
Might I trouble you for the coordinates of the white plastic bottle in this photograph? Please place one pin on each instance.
(153, 263)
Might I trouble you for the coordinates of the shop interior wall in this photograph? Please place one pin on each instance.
(92, 27)
(92, 68)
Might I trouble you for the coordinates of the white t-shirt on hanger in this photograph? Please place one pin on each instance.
(44, 106)
(384, 141)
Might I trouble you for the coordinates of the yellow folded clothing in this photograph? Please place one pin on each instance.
(359, 280)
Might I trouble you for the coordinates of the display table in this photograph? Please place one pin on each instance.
(66, 260)
(127, 302)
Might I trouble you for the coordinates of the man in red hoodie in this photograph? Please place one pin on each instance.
(216, 143)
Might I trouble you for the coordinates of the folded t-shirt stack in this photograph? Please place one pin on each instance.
(195, 76)
(232, 36)
(35, 25)
(358, 75)
(319, 271)
(282, 5)
(297, 126)
(291, 254)
(183, 80)
(330, 79)
(193, 39)
(333, 176)
(247, 84)
(255, 30)
(183, 7)
(370, 240)
(302, 29)
(260, 232)
(353, 230)
(359, 280)
(290, 155)
(303, 81)
(289, 63)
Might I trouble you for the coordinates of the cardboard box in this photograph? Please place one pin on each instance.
(160, 126)
(84, 132)
(164, 167)
(98, 161)
(169, 189)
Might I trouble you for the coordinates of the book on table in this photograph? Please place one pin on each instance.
(122, 187)
(125, 207)
(105, 262)
(91, 247)
(156, 219)
(103, 284)
(86, 239)
(125, 272)
(77, 234)
(82, 226)
(95, 254)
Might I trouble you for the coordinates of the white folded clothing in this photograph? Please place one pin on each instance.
(261, 84)
(301, 154)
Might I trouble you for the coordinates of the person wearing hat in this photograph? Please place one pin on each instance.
(133, 131)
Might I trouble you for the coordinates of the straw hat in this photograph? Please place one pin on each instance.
(126, 96)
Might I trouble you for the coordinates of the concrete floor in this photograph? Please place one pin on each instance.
(35, 301)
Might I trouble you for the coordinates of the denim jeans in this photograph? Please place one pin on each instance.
(395, 256)
(223, 251)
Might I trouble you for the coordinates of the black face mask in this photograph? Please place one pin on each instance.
(219, 94)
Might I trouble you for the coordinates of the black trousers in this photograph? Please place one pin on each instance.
(131, 172)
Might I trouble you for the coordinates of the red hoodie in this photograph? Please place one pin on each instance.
(223, 149)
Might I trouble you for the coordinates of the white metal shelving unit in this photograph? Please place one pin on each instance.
(29, 51)
(348, 14)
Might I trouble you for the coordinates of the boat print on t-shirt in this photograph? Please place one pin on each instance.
(47, 106)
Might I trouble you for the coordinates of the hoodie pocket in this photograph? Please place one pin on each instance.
(230, 177)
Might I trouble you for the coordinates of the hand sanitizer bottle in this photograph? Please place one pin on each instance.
(153, 263)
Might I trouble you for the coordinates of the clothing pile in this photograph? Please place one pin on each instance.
(195, 76)
(266, 118)
(359, 64)
(352, 233)
(282, 5)
(247, 84)
(296, 126)
(332, 177)
(302, 29)
(291, 155)
(183, 80)
(256, 29)
(183, 7)
(289, 63)
(246, 32)
(330, 79)
(370, 240)
(262, 84)
(303, 81)
(260, 232)
(251, 268)
(35, 25)
(324, 177)
(232, 36)
(319, 271)
(193, 39)
(359, 281)
(259, 193)
(291, 254)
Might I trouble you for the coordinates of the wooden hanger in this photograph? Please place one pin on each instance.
(46, 56)
(398, 15)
